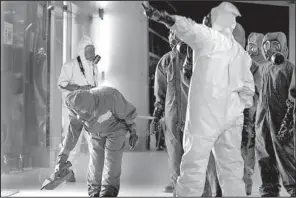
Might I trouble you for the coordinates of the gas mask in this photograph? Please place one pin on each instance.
(272, 50)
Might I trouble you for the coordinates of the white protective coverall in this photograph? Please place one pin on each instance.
(222, 86)
(71, 74)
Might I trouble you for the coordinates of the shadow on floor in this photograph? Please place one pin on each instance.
(144, 174)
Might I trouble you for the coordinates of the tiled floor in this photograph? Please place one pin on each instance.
(144, 174)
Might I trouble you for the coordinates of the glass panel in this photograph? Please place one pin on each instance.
(13, 26)
(23, 83)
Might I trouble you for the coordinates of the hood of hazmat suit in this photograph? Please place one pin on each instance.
(275, 158)
(221, 87)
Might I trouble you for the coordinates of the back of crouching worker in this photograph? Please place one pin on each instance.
(107, 116)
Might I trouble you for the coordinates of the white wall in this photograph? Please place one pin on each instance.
(121, 38)
(292, 33)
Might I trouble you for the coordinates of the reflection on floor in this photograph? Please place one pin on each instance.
(144, 174)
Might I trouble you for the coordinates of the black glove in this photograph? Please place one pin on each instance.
(286, 131)
(155, 125)
(133, 141)
(155, 15)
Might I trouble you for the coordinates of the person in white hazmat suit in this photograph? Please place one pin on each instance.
(79, 73)
(221, 87)
(247, 146)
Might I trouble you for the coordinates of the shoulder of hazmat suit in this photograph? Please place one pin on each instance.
(105, 106)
